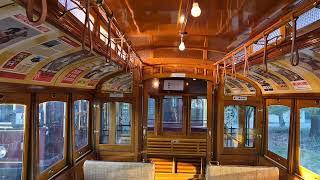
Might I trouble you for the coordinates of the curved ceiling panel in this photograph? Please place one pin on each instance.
(43, 55)
(121, 83)
(282, 77)
(236, 86)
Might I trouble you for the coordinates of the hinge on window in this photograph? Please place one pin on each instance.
(260, 110)
(96, 131)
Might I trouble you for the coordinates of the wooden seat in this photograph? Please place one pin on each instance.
(242, 173)
(102, 170)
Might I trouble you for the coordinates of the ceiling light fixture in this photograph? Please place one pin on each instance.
(182, 47)
(195, 11)
(181, 19)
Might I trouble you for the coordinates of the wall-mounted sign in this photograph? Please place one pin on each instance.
(116, 95)
(178, 75)
(240, 98)
(173, 85)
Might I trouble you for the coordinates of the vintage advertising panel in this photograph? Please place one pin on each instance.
(122, 83)
(92, 77)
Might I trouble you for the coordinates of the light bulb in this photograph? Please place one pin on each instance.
(155, 83)
(181, 19)
(182, 47)
(195, 11)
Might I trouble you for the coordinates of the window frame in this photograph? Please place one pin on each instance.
(269, 154)
(156, 116)
(243, 149)
(112, 125)
(86, 149)
(185, 113)
(302, 171)
(189, 115)
(22, 99)
(58, 166)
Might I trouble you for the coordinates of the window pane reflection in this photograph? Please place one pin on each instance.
(310, 139)
(278, 129)
(232, 133)
(52, 117)
(151, 113)
(172, 115)
(199, 114)
(105, 123)
(81, 123)
(123, 122)
(12, 117)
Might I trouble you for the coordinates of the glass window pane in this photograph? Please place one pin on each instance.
(81, 123)
(151, 113)
(198, 118)
(310, 139)
(52, 118)
(249, 128)
(172, 115)
(12, 118)
(232, 132)
(123, 122)
(105, 123)
(278, 129)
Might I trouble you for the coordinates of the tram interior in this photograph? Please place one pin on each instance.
(149, 89)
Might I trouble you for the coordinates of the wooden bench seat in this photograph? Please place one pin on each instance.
(242, 173)
(102, 170)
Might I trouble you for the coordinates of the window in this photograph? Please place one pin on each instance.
(239, 126)
(105, 123)
(198, 115)
(172, 113)
(12, 120)
(232, 134)
(273, 37)
(151, 113)
(52, 120)
(81, 123)
(278, 129)
(103, 34)
(123, 122)
(309, 17)
(310, 139)
(77, 11)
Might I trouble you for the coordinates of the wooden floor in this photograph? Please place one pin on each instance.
(178, 176)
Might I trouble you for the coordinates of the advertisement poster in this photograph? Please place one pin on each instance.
(122, 83)
(23, 62)
(266, 86)
(281, 85)
(12, 31)
(310, 63)
(47, 72)
(295, 79)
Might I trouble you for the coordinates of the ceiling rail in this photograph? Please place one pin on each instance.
(300, 8)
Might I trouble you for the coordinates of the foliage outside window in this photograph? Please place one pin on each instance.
(198, 118)
(278, 129)
(81, 123)
(310, 139)
(52, 119)
(123, 123)
(151, 113)
(172, 113)
(105, 123)
(239, 126)
(12, 119)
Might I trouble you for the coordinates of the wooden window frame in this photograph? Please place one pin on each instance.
(242, 149)
(58, 166)
(112, 127)
(302, 171)
(200, 134)
(86, 149)
(269, 154)
(22, 99)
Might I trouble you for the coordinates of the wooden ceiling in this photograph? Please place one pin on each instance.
(153, 25)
